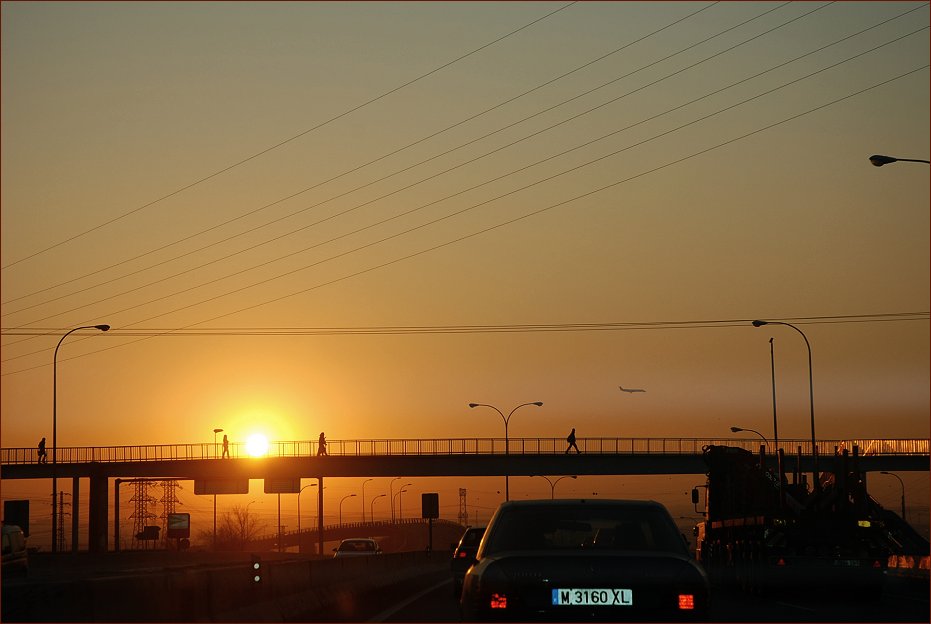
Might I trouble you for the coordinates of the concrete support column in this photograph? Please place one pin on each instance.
(97, 516)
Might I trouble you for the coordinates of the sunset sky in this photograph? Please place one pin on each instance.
(254, 194)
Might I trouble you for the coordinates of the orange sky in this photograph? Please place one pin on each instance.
(238, 167)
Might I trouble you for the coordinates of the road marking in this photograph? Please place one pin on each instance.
(387, 613)
(795, 606)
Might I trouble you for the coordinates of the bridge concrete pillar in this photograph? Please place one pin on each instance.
(97, 508)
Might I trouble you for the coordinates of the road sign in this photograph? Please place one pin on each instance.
(430, 505)
(283, 486)
(221, 486)
(179, 525)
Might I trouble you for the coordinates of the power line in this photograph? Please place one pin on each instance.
(500, 224)
(357, 168)
(415, 254)
(469, 208)
(477, 329)
(715, 55)
(286, 141)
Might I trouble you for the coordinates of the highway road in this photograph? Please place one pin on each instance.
(431, 600)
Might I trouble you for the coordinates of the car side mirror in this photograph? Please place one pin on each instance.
(694, 496)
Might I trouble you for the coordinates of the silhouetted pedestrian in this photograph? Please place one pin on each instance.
(226, 447)
(43, 456)
(321, 445)
(571, 440)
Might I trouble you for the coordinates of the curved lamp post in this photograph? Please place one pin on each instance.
(506, 419)
(391, 491)
(401, 490)
(902, 483)
(739, 429)
(372, 507)
(363, 497)
(341, 507)
(811, 396)
(879, 160)
(55, 428)
(553, 483)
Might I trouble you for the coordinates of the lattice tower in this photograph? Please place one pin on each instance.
(463, 516)
(60, 538)
(168, 500)
(141, 513)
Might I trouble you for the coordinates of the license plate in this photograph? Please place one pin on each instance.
(593, 597)
(847, 563)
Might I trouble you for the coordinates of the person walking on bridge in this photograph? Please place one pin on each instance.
(226, 447)
(321, 445)
(571, 440)
(43, 456)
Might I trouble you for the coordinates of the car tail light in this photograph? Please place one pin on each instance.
(781, 562)
(462, 554)
(686, 601)
(499, 601)
(877, 564)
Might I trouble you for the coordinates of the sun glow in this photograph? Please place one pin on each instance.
(257, 445)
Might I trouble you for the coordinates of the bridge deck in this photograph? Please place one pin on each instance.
(454, 446)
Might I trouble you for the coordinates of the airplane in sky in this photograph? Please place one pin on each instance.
(623, 389)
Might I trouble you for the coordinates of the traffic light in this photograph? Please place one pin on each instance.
(256, 569)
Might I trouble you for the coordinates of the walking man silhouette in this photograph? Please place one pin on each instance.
(43, 456)
(571, 440)
(321, 445)
(226, 447)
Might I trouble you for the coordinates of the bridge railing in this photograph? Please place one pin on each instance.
(454, 446)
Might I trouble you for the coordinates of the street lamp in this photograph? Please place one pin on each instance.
(372, 507)
(215, 449)
(341, 507)
(879, 160)
(215, 432)
(55, 428)
(553, 483)
(902, 483)
(299, 507)
(363, 497)
(811, 396)
(506, 419)
(401, 500)
(391, 490)
(739, 429)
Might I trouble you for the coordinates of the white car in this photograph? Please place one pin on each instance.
(356, 547)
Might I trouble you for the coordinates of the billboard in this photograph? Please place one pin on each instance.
(179, 525)
(221, 486)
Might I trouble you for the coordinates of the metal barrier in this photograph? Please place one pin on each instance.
(455, 446)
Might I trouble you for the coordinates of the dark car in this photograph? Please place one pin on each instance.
(573, 560)
(464, 555)
(356, 547)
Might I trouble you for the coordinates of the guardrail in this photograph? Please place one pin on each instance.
(453, 446)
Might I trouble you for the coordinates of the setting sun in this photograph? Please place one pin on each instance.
(257, 445)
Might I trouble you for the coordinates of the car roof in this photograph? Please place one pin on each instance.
(595, 502)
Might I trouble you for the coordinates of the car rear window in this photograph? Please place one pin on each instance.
(584, 527)
(359, 546)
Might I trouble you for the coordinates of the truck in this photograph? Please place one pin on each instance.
(762, 532)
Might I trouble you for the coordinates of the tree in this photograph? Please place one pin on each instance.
(235, 529)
